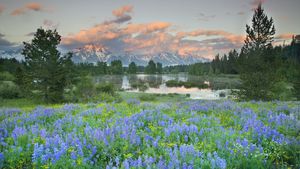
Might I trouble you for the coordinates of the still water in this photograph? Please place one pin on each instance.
(157, 84)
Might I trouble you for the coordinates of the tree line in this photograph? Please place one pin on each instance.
(267, 72)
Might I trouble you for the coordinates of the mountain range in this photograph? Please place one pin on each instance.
(95, 53)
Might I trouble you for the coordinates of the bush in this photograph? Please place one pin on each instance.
(87, 91)
(188, 84)
(9, 90)
(222, 94)
(6, 76)
(107, 88)
(282, 91)
(106, 97)
(147, 97)
(173, 83)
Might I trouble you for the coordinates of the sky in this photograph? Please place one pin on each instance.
(200, 28)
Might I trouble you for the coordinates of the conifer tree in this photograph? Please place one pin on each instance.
(45, 67)
(132, 68)
(257, 62)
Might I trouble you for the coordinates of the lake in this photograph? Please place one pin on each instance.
(219, 86)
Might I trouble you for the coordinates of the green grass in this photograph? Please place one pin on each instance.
(29, 104)
(157, 98)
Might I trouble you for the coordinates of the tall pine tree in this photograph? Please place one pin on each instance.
(257, 63)
(45, 66)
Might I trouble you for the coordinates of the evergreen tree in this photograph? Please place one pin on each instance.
(216, 64)
(232, 62)
(261, 34)
(45, 66)
(116, 67)
(101, 68)
(132, 68)
(151, 67)
(159, 68)
(257, 62)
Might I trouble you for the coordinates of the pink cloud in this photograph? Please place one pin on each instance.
(121, 11)
(285, 36)
(99, 33)
(50, 24)
(1, 8)
(33, 6)
(152, 38)
(18, 11)
(255, 3)
(146, 28)
(229, 36)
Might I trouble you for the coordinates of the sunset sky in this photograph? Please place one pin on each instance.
(190, 27)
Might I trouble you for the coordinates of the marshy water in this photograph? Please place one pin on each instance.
(218, 86)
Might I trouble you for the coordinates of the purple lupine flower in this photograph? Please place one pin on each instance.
(186, 138)
(126, 164)
(244, 143)
(140, 163)
(37, 152)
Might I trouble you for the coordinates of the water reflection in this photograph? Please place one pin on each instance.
(157, 84)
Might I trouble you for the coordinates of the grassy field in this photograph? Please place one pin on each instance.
(163, 131)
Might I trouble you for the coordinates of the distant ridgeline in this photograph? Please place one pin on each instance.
(90, 64)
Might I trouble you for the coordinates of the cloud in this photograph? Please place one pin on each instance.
(146, 28)
(285, 36)
(19, 11)
(50, 24)
(30, 34)
(229, 36)
(241, 13)
(122, 11)
(204, 17)
(119, 36)
(33, 6)
(1, 8)
(254, 3)
(5, 43)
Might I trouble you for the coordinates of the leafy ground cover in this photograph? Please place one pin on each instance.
(134, 134)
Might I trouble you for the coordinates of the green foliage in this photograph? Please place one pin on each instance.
(116, 67)
(9, 65)
(203, 134)
(9, 90)
(132, 68)
(176, 69)
(282, 91)
(101, 68)
(107, 88)
(87, 90)
(45, 67)
(84, 90)
(151, 67)
(147, 97)
(159, 68)
(6, 76)
(187, 84)
(261, 33)
(257, 62)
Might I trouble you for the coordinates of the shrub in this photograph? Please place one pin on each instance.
(85, 89)
(107, 88)
(222, 94)
(6, 76)
(9, 90)
(147, 97)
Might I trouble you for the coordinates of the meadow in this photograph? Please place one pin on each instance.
(136, 134)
